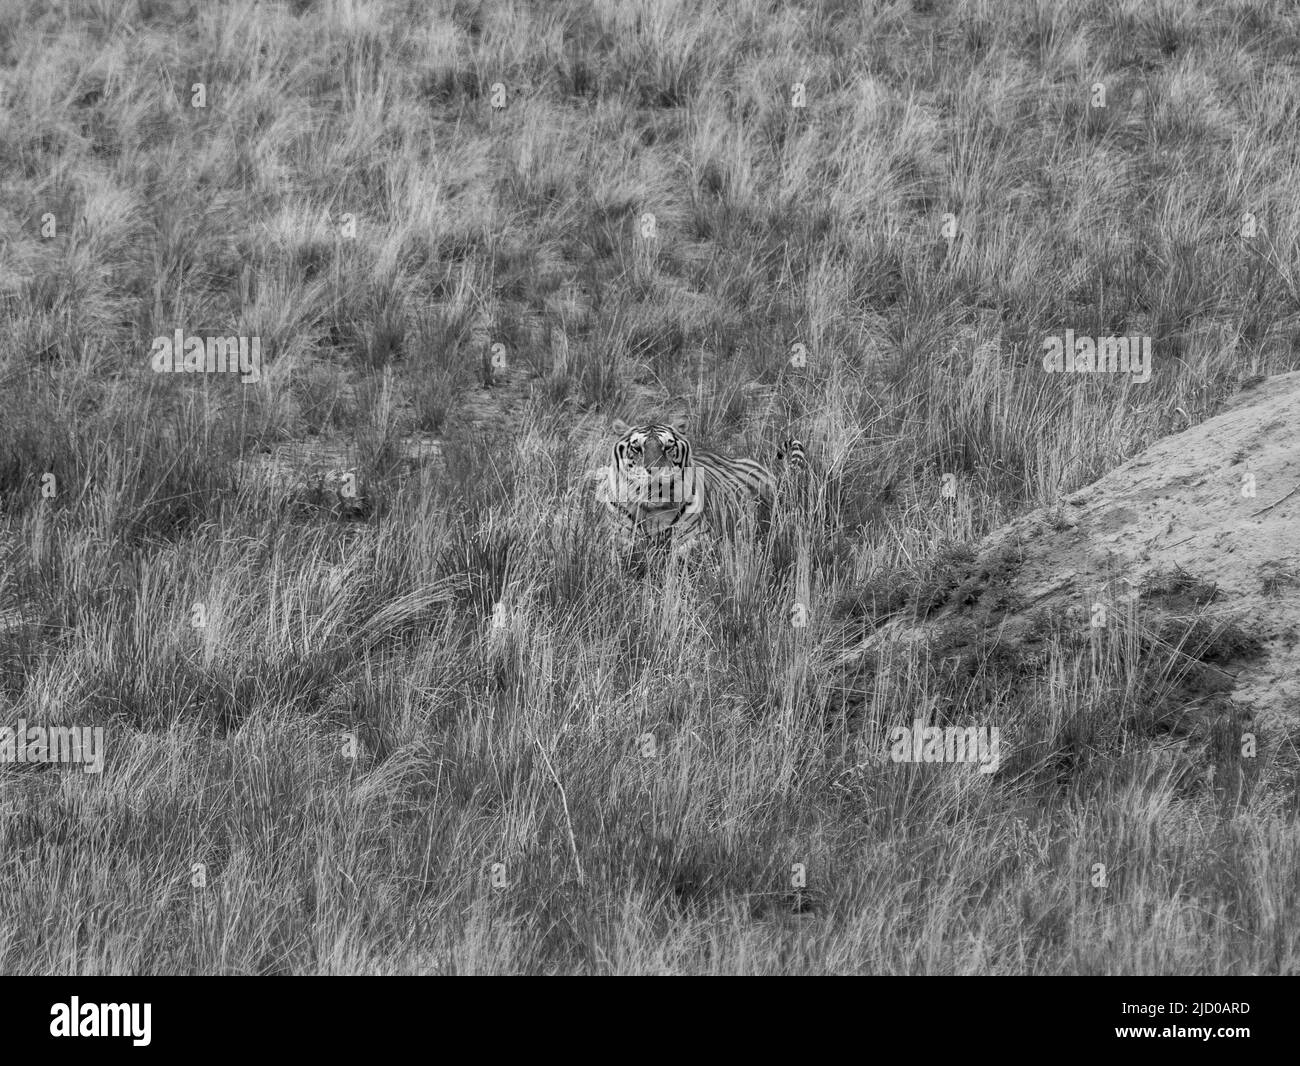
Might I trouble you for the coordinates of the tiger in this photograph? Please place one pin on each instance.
(662, 491)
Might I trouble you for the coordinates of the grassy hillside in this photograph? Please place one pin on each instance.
(421, 720)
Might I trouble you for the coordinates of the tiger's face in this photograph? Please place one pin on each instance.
(652, 467)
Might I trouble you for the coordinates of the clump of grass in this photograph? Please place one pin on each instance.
(1208, 640)
(873, 600)
(955, 579)
(1177, 590)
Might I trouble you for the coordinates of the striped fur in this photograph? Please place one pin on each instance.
(662, 491)
(791, 454)
(811, 496)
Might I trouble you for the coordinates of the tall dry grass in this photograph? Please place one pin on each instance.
(453, 736)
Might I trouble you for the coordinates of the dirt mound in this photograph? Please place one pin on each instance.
(1203, 529)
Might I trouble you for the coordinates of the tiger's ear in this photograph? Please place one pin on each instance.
(619, 426)
(680, 423)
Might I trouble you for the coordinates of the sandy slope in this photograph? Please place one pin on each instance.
(1180, 504)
